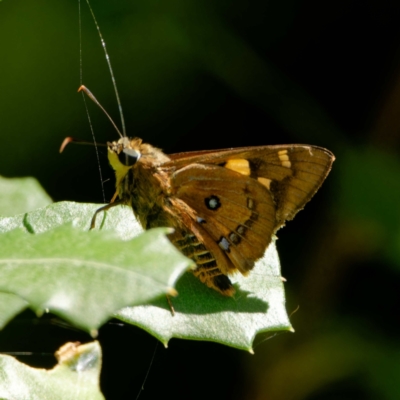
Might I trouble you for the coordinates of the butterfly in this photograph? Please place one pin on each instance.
(224, 205)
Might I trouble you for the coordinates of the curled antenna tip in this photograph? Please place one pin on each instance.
(70, 139)
(84, 89)
(65, 142)
(88, 93)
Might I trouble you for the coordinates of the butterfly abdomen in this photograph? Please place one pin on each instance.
(207, 269)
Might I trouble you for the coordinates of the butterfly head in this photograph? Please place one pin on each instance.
(128, 154)
(124, 153)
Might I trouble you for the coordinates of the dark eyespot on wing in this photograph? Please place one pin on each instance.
(212, 202)
(234, 238)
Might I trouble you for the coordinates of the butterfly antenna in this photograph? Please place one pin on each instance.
(103, 43)
(91, 97)
(85, 103)
(70, 139)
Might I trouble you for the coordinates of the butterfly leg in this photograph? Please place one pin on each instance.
(104, 208)
(171, 306)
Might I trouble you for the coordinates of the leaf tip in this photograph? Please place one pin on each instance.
(39, 312)
(94, 333)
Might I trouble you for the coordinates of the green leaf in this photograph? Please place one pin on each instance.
(10, 306)
(84, 276)
(17, 195)
(200, 312)
(21, 195)
(75, 377)
(203, 314)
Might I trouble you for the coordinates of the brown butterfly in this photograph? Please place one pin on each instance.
(224, 205)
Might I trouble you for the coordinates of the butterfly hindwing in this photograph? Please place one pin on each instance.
(235, 210)
(212, 264)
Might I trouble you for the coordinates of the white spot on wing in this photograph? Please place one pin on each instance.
(241, 230)
(224, 244)
(213, 203)
(233, 237)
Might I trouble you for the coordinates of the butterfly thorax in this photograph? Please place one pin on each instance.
(140, 182)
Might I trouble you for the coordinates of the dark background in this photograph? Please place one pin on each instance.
(212, 74)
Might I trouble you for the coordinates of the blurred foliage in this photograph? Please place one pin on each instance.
(209, 74)
(75, 377)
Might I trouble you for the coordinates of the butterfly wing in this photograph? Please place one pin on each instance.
(212, 264)
(235, 210)
(242, 196)
(225, 205)
(291, 173)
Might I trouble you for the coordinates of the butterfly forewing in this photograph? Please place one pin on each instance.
(302, 171)
(292, 173)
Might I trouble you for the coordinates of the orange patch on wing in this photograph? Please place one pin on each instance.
(240, 165)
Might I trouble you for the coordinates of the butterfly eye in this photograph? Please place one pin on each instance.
(129, 157)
